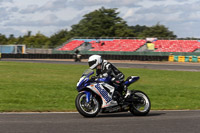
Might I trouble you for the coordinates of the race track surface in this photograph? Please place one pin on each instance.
(155, 122)
(127, 64)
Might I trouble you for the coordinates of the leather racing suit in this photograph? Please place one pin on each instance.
(108, 69)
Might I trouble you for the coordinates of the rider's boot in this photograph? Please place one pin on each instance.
(127, 92)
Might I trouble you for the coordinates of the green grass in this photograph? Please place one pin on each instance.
(52, 87)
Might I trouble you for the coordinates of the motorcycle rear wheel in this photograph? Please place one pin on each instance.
(143, 106)
(90, 109)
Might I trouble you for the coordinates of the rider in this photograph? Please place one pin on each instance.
(105, 69)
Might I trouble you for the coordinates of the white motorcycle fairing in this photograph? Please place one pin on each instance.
(106, 97)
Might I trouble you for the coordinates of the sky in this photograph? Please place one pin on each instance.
(50, 16)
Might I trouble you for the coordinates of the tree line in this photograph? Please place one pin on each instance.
(99, 23)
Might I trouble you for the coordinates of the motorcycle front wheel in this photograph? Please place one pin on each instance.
(87, 109)
(141, 105)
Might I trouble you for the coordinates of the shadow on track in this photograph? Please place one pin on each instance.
(153, 114)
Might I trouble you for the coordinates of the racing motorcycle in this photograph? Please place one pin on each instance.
(100, 95)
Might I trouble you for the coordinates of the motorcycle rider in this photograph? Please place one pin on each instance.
(105, 69)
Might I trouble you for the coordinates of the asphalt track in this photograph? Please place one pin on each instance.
(155, 122)
(127, 64)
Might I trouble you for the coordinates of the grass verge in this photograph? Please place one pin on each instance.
(52, 87)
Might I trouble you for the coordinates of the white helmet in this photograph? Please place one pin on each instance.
(94, 61)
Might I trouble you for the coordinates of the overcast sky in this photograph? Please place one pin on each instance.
(49, 16)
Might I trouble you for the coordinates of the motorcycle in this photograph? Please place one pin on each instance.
(77, 57)
(100, 95)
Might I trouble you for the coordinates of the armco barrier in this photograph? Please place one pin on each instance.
(184, 58)
(86, 56)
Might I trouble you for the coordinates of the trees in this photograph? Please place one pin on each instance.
(159, 31)
(101, 23)
(138, 30)
(106, 23)
(38, 41)
(3, 39)
(58, 38)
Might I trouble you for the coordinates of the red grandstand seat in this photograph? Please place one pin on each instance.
(120, 45)
(176, 45)
(71, 45)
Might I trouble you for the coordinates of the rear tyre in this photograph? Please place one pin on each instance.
(87, 109)
(142, 105)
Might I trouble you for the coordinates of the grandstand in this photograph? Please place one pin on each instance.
(149, 49)
(117, 45)
(176, 45)
(72, 45)
(131, 45)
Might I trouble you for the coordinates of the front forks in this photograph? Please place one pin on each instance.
(88, 96)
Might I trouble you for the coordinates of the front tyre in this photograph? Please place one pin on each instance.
(141, 105)
(87, 109)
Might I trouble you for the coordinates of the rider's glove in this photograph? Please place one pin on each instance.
(93, 78)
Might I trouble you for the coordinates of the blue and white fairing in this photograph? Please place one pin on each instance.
(101, 87)
(131, 80)
(97, 87)
(84, 80)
